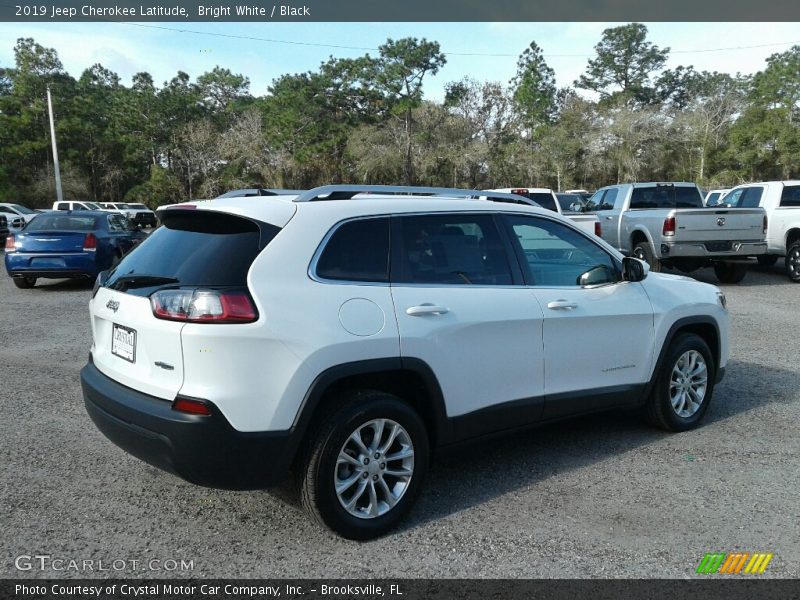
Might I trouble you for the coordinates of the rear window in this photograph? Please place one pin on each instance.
(61, 223)
(791, 196)
(567, 200)
(357, 251)
(543, 199)
(666, 196)
(193, 249)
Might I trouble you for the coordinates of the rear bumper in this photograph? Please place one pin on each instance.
(205, 450)
(700, 250)
(23, 264)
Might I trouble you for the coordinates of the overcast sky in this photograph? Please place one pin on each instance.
(128, 48)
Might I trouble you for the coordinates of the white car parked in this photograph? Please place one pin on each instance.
(344, 336)
(715, 197)
(137, 212)
(781, 200)
(17, 215)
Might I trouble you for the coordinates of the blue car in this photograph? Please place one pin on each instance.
(68, 244)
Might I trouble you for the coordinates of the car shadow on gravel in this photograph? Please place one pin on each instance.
(63, 285)
(478, 473)
(757, 276)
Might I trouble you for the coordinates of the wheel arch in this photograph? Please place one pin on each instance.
(410, 379)
(792, 236)
(705, 327)
(640, 234)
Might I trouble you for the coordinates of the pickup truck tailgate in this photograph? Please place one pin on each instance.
(705, 225)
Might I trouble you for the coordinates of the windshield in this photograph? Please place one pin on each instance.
(61, 223)
(136, 205)
(93, 205)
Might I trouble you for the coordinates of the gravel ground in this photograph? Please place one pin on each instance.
(597, 497)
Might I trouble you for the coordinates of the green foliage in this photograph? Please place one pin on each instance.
(367, 119)
(534, 87)
(161, 188)
(624, 65)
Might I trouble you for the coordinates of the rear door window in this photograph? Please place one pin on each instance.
(451, 249)
(193, 248)
(357, 251)
(790, 198)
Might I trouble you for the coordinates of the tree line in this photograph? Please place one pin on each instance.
(626, 118)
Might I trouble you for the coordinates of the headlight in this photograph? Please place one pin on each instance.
(722, 300)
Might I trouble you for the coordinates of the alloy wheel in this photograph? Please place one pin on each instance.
(374, 468)
(688, 383)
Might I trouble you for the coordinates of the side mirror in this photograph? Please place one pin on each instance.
(634, 269)
(596, 276)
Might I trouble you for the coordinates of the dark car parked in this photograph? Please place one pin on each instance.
(70, 244)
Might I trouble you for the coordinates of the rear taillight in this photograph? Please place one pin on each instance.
(519, 191)
(766, 223)
(90, 243)
(10, 247)
(669, 226)
(203, 306)
(192, 407)
(598, 229)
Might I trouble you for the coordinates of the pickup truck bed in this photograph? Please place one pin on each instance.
(666, 224)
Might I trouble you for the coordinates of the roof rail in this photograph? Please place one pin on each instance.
(347, 192)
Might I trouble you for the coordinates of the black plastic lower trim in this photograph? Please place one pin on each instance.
(205, 450)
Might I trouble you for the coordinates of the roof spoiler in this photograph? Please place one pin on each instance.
(347, 192)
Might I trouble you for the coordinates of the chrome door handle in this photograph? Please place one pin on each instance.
(426, 309)
(609, 218)
(561, 305)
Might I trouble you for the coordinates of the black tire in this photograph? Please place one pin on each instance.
(730, 272)
(24, 283)
(644, 251)
(658, 408)
(792, 262)
(767, 260)
(318, 469)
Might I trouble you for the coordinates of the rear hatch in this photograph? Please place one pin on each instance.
(194, 252)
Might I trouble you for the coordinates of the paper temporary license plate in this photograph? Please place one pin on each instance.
(123, 342)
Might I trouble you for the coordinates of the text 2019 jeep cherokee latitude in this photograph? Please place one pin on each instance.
(343, 336)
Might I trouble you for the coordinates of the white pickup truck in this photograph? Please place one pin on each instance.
(667, 224)
(781, 200)
(546, 198)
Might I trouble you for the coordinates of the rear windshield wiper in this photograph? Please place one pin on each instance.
(128, 282)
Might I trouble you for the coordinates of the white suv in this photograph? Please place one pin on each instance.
(343, 336)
